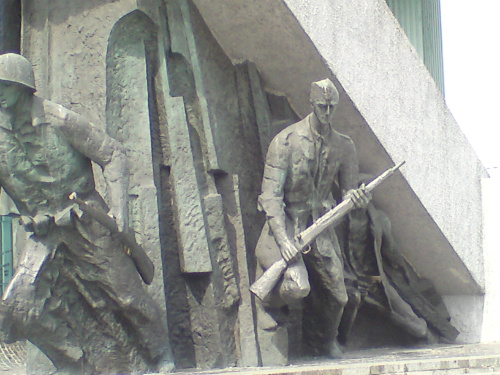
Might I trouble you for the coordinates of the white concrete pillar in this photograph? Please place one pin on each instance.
(491, 249)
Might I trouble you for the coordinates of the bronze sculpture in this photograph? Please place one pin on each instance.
(76, 293)
(303, 162)
(377, 274)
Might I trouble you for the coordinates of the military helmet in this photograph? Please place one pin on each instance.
(324, 90)
(16, 68)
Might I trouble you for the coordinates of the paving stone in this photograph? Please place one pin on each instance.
(440, 360)
(12, 358)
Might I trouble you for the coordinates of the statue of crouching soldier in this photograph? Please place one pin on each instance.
(377, 274)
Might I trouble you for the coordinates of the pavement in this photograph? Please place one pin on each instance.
(436, 360)
(13, 358)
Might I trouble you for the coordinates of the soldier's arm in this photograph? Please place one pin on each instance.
(105, 151)
(271, 199)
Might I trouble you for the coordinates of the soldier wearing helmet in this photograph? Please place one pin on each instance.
(303, 163)
(74, 277)
(16, 79)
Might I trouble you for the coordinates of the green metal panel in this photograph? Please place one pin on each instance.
(6, 251)
(433, 40)
(421, 21)
(409, 15)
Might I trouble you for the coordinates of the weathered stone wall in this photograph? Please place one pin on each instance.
(67, 44)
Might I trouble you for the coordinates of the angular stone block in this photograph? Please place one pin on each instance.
(194, 253)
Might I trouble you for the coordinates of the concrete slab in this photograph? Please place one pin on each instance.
(453, 359)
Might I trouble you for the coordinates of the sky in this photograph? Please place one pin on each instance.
(471, 55)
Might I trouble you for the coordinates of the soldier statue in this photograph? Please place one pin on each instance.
(76, 293)
(378, 275)
(304, 163)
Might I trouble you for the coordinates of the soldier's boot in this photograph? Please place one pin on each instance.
(334, 350)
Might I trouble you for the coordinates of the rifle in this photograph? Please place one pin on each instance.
(144, 265)
(263, 286)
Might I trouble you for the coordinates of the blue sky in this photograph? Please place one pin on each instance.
(471, 53)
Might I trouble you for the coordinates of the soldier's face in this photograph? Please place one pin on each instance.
(9, 94)
(324, 109)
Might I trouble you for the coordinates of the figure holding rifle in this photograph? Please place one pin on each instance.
(303, 163)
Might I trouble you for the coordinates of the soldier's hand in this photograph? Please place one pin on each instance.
(289, 251)
(360, 197)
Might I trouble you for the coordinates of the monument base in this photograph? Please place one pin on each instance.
(443, 360)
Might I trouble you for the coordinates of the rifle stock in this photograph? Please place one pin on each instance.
(265, 284)
(144, 265)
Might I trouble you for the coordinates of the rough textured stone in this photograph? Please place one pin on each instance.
(10, 26)
(128, 120)
(194, 256)
(212, 312)
(228, 293)
(209, 124)
(248, 355)
(262, 109)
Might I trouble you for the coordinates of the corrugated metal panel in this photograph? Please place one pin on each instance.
(6, 251)
(409, 15)
(421, 21)
(433, 41)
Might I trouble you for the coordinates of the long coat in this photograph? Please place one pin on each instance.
(402, 289)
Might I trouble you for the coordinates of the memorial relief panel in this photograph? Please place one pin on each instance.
(189, 218)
